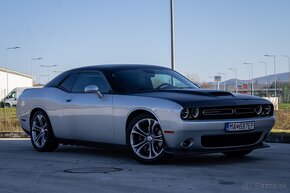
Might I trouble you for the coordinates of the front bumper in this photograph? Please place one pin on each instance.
(181, 151)
(218, 140)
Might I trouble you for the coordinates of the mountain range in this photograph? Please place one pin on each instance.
(281, 77)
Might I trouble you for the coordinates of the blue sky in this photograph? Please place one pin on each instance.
(211, 35)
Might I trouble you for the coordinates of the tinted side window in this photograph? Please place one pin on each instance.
(68, 83)
(86, 79)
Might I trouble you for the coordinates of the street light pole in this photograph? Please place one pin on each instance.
(172, 34)
(7, 79)
(32, 67)
(266, 74)
(286, 56)
(275, 74)
(249, 77)
(236, 75)
(224, 75)
(252, 76)
(6, 60)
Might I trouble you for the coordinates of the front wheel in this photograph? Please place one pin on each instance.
(42, 137)
(7, 105)
(237, 153)
(145, 139)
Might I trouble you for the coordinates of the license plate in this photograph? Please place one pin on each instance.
(240, 126)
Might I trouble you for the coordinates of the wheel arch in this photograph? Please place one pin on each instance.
(134, 113)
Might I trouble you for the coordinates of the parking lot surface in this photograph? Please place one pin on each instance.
(84, 169)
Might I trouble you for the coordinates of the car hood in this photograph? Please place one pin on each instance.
(203, 98)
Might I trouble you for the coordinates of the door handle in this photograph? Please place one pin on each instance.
(68, 100)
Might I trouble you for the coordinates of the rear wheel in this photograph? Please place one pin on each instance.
(42, 137)
(145, 139)
(237, 153)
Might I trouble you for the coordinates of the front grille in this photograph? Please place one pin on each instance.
(230, 140)
(228, 112)
(217, 112)
(246, 110)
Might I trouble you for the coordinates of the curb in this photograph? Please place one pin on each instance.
(271, 138)
(13, 135)
(278, 138)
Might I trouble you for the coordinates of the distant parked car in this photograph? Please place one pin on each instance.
(11, 99)
(152, 110)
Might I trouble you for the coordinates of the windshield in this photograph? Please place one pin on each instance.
(12, 95)
(128, 80)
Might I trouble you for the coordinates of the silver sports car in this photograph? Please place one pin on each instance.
(152, 110)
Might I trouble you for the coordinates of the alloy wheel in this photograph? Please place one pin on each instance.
(39, 131)
(146, 139)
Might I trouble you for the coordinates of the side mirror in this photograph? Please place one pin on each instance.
(93, 89)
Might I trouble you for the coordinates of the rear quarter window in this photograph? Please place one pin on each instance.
(68, 83)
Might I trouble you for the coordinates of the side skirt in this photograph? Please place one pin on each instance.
(91, 144)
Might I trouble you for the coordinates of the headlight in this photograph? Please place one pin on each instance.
(194, 112)
(259, 109)
(267, 109)
(185, 113)
(189, 113)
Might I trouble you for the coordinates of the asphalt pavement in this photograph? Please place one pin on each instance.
(73, 169)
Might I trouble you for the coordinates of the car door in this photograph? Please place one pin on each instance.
(88, 116)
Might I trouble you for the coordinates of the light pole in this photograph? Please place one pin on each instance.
(48, 72)
(236, 76)
(10, 48)
(288, 66)
(275, 74)
(32, 67)
(172, 34)
(7, 83)
(249, 76)
(224, 75)
(266, 74)
(252, 76)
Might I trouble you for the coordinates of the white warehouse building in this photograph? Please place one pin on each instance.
(15, 79)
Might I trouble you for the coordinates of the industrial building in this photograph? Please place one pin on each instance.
(15, 79)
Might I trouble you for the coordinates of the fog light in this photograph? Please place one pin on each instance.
(187, 143)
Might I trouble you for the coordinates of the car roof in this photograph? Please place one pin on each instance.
(117, 66)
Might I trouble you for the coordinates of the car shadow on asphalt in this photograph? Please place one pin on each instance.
(124, 155)
(212, 159)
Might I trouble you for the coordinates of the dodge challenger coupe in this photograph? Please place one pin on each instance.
(152, 110)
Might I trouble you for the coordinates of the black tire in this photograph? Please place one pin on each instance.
(237, 153)
(156, 147)
(7, 105)
(50, 143)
